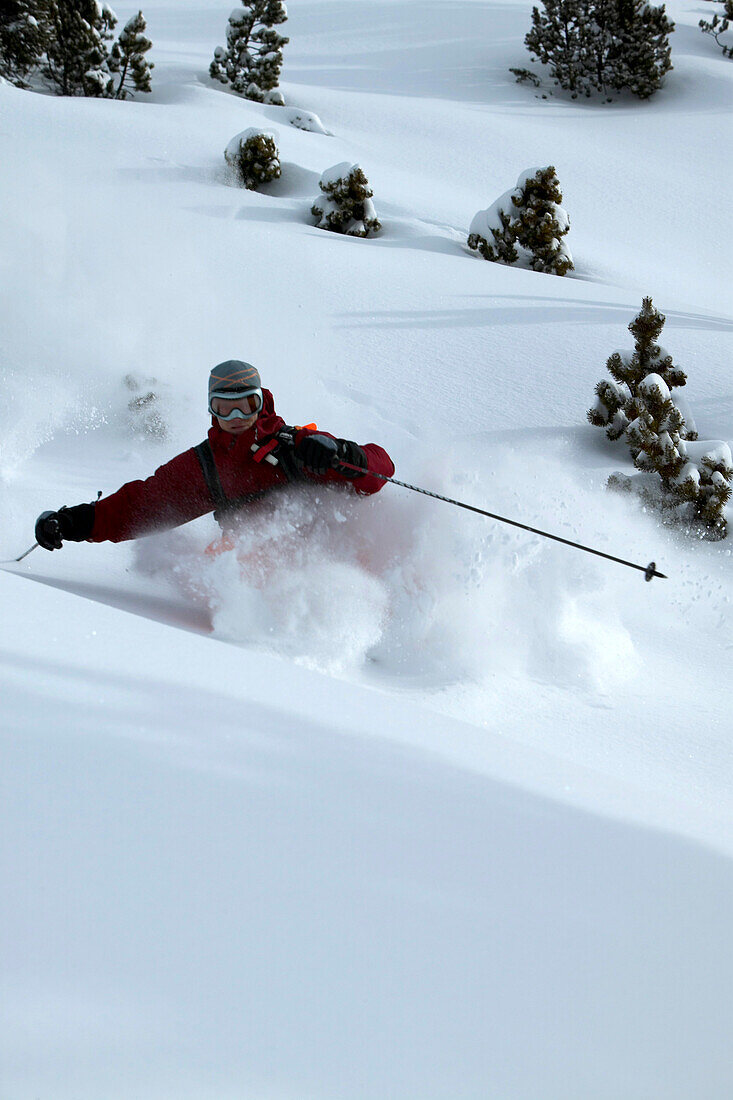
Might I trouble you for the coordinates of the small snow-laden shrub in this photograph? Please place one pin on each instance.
(685, 479)
(656, 432)
(543, 222)
(697, 498)
(613, 407)
(526, 225)
(254, 156)
(345, 205)
(252, 59)
(719, 24)
(492, 232)
(610, 410)
(127, 59)
(711, 458)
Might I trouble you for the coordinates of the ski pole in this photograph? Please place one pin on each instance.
(649, 570)
(12, 561)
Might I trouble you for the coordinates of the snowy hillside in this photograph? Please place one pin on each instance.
(412, 805)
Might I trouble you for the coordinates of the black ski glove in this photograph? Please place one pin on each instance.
(319, 453)
(316, 453)
(350, 452)
(70, 524)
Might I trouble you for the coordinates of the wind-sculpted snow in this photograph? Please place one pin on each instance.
(226, 862)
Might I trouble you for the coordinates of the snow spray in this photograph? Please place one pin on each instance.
(649, 570)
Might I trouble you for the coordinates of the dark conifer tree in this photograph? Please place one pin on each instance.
(252, 60)
(526, 225)
(127, 59)
(695, 476)
(642, 56)
(254, 157)
(655, 430)
(542, 223)
(76, 56)
(716, 487)
(493, 232)
(718, 25)
(346, 206)
(601, 45)
(614, 408)
(556, 40)
(23, 33)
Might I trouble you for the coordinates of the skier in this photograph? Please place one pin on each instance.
(249, 451)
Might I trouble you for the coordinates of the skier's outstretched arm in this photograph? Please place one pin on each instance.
(174, 494)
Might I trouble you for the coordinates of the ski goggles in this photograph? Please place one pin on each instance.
(237, 406)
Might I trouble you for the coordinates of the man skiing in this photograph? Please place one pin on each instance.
(249, 452)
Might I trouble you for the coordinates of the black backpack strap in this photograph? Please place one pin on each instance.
(211, 474)
(223, 505)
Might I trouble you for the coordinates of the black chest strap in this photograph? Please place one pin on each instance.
(223, 505)
(211, 474)
(281, 455)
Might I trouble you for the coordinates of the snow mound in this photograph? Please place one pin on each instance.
(305, 120)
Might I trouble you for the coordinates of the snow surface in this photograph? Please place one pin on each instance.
(392, 801)
(484, 221)
(711, 452)
(338, 172)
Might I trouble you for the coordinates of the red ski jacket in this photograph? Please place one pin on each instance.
(178, 492)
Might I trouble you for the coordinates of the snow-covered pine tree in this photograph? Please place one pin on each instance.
(527, 224)
(641, 57)
(613, 408)
(601, 45)
(715, 468)
(127, 59)
(253, 58)
(655, 430)
(542, 223)
(718, 25)
(492, 232)
(76, 55)
(254, 156)
(345, 205)
(556, 40)
(22, 39)
(695, 476)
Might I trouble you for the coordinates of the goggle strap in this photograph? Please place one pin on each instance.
(234, 395)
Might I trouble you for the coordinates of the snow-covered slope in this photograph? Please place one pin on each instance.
(416, 805)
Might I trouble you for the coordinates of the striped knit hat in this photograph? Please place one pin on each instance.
(233, 379)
